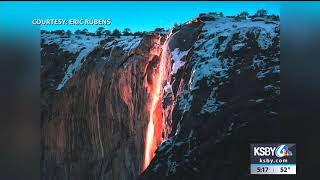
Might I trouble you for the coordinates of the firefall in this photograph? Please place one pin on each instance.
(153, 135)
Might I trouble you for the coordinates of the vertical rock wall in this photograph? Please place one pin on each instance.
(94, 127)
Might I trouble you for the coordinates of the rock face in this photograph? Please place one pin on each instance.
(92, 124)
(220, 94)
(224, 95)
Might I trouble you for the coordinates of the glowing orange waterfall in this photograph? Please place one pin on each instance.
(153, 135)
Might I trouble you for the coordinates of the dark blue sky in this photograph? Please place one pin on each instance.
(138, 16)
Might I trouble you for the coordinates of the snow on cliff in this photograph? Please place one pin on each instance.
(209, 54)
(228, 78)
(177, 56)
(83, 45)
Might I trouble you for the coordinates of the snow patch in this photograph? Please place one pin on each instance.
(76, 66)
(259, 100)
(212, 104)
(210, 67)
(236, 47)
(172, 165)
(262, 74)
(184, 100)
(84, 45)
(272, 88)
(73, 43)
(125, 42)
(177, 55)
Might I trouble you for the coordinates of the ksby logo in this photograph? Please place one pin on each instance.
(283, 151)
(280, 151)
(263, 151)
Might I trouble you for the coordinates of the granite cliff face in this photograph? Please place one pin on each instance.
(219, 88)
(93, 123)
(224, 95)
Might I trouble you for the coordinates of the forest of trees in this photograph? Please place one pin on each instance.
(100, 32)
(260, 15)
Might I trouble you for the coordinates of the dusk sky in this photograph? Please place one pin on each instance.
(138, 16)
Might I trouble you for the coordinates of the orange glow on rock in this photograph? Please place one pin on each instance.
(154, 129)
(192, 21)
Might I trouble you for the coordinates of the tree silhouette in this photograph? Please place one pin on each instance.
(261, 13)
(68, 33)
(106, 33)
(99, 31)
(77, 31)
(116, 33)
(84, 31)
(127, 32)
